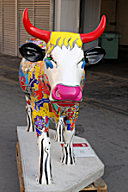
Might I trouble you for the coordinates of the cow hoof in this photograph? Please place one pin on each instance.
(43, 182)
(30, 129)
(68, 161)
(58, 139)
(55, 138)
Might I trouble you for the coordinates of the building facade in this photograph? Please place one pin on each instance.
(59, 15)
(12, 33)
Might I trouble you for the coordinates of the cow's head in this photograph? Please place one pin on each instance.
(64, 59)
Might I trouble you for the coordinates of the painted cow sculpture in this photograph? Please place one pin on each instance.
(52, 77)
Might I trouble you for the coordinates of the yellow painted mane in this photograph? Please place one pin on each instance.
(63, 38)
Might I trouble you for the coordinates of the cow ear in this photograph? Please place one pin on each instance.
(94, 55)
(32, 52)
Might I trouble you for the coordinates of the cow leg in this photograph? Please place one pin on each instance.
(60, 130)
(30, 126)
(43, 142)
(68, 155)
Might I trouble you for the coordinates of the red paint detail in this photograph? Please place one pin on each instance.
(55, 113)
(50, 107)
(46, 118)
(46, 129)
(59, 109)
(77, 144)
(28, 102)
(62, 92)
(39, 33)
(87, 37)
(64, 103)
(33, 39)
(72, 125)
(39, 92)
(22, 83)
(46, 76)
(80, 145)
(43, 88)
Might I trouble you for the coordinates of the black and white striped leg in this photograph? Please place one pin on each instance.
(30, 125)
(68, 155)
(67, 150)
(45, 169)
(60, 130)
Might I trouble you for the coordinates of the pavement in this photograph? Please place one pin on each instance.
(103, 119)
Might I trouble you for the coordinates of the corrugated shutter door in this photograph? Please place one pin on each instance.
(22, 34)
(39, 14)
(0, 25)
(9, 39)
(42, 14)
(12, 32)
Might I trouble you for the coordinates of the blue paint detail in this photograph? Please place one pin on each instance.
(21, 74)
(47, 124)
(33, 80)
(68, 127)
(26, 79)
(68, 121)
(39, 132)
(48, 64)
(40, 103)
(55, 106)
(83, 65)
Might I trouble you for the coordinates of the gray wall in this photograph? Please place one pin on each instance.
(91, 18)
(67, 15)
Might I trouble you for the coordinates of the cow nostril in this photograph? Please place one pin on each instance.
(57, 92)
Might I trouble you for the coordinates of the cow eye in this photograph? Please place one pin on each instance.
(50, 58)
(83, 62)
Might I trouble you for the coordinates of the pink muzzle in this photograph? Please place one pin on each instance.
(62, 92)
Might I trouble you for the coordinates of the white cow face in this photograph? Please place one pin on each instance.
(64, 59)
(64, 66)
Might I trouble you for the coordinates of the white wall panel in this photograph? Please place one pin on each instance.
(67, 15)
(91, 19)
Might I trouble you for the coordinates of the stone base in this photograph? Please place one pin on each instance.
(66, 178)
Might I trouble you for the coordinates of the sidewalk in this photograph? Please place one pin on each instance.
(103, 120)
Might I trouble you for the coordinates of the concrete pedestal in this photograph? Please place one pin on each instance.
(73, 178)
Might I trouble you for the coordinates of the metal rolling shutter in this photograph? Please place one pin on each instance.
(0, 25)
(9, 27)
(42, 14)
(12, 32)
(39, 14)
(22, 34)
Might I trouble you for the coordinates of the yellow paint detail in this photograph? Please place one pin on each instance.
(63, 38)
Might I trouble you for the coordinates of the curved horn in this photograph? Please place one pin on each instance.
(39, 33)
(87, 37)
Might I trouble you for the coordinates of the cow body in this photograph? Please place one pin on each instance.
(52, 77)
(39, 81)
